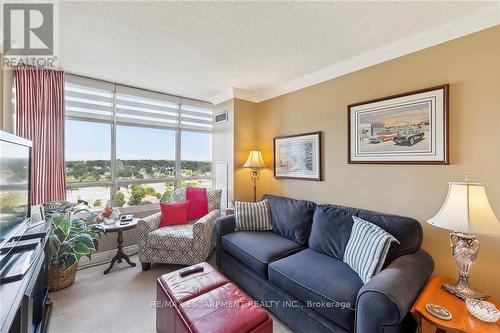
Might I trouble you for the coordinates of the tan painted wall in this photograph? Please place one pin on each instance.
(471, 65)
(245, 136)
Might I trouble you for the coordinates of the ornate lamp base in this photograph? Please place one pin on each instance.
(463, 290)
(464, 248)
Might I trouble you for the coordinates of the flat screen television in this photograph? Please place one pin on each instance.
(15, 174)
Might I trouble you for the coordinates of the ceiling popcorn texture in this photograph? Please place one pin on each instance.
(201, 49)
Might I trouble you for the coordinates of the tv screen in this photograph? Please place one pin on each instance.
(14, 184)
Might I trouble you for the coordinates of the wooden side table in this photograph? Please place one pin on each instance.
(462, 321)
(118, 228)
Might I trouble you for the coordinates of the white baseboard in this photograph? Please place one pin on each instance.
(100, 258)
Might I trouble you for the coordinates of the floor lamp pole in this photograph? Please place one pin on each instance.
(255, 176)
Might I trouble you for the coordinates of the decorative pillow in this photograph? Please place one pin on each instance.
(198, 202)
(252, 215)
(367, 248)
(173, 213)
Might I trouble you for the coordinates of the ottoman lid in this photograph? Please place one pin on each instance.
(181, 289)
(225, 309)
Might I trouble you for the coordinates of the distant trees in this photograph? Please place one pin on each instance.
(138, 193)
(168, 193)
(119, 199)
(99, 170)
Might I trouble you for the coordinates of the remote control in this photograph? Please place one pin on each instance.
(191, 270)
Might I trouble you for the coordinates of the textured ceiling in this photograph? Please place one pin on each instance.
(199, 49)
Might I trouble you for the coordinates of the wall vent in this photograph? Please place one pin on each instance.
(220, 117)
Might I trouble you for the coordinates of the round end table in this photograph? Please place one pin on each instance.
(119, 229)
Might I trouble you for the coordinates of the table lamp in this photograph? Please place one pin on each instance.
(254, 162)
(466, 212)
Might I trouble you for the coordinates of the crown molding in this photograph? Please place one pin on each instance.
(247, 95)
(231, 93)
(463, 26)
(222, 96)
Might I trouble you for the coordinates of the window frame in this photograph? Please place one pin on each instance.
(116, 183)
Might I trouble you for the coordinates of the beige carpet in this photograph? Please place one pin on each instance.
(120, 301)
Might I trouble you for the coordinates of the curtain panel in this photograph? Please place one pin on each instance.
(40, 118)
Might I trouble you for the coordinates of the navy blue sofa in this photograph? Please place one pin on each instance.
(296, 270)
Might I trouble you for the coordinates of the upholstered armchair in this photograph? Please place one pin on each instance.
(184, 244)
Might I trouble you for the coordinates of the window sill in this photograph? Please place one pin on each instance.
(139, 209)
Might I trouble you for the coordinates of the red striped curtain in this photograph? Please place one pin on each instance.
(40, 118)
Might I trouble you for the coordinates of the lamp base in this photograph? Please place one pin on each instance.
(465, 248)
(462, 290)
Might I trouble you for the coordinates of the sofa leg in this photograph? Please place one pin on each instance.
(145, 266)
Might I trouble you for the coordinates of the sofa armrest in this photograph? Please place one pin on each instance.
(148, 224)
(223, 225)
(388, 297)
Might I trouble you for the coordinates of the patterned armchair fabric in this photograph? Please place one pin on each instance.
(186, 244)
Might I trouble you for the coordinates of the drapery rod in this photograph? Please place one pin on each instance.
(132, 87)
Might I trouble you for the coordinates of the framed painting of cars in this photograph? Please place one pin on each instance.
(409, 128)
(298, 156)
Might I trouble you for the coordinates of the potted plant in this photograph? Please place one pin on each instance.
(70, 239)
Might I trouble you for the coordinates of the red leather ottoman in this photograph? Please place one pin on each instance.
(206, 302)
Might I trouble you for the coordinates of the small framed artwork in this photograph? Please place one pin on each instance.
(409, 128)
(298, 156)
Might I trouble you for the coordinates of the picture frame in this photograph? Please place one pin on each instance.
(298, 156)
(407, 128)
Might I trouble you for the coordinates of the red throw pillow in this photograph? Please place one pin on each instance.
(173, 213)
(198, 206)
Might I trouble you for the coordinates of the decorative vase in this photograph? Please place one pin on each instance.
(58, 278)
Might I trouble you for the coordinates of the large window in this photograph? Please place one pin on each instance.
(131, 146)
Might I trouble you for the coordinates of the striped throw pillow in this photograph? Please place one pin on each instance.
(253, 216)
(367, 248)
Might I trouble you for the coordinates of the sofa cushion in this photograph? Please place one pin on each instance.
(332, 226)
(291, 218)
(257, 249)
(367, 248)
(252, 215)
(173, 213)
(323, 283)
(198, 202)
(330, 230)
(174, 238)
(406, 230)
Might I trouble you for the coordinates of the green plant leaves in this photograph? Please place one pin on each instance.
(71, 239)
(86, 239)
(65, 226)
(54, 244)
(69, 260)
(96, 244)
(81, 248)
(64, 248)
(61, 236)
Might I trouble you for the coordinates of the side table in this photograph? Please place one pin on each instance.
(118, 228)
(462, 321)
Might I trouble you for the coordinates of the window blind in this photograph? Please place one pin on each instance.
(146, 108)
(196, 115)
(88, 99)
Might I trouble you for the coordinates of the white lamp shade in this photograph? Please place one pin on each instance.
(254, 160)
(466, 209)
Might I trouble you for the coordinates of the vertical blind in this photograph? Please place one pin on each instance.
(89, 99)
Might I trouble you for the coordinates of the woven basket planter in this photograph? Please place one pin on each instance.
(59, 279)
